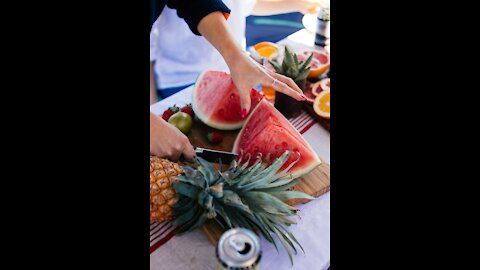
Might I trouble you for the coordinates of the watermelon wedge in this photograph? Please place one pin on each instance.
(216, 102)
(268, 131)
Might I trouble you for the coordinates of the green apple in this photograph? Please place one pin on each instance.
(183, 121)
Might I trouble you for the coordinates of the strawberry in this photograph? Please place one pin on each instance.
(214, 137)
(169, 112)
(188, 109)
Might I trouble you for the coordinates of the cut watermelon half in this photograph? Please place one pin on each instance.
(267, 131)
(216, 102)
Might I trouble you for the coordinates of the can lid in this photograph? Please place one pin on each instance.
(239, 247)
(324, 14)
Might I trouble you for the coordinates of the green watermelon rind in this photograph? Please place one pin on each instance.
(205, 119)
(298, 172)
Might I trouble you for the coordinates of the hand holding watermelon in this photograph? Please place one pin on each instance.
(247, 74)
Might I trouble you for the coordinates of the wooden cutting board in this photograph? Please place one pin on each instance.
(315, 183)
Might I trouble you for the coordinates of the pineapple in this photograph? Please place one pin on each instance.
(252, 197)
(292, 67)
(162, 194)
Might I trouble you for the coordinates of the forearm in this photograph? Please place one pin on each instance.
(214, 28)
(272, 7)
(155, 121)
(153, 88)
(193, 11)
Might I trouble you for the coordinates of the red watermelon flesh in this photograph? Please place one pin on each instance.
(268, 131)
(216, 101)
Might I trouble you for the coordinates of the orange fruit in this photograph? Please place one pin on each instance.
(266, 51)
(320, 62)
(265, 44)
(321, 106)
(325, 84)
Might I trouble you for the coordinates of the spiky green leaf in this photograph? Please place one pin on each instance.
(288, 195)
(280, 188)
(221, 211)
(228, 176)
(278, 68)
(187, 216)
(273, 168)
(252, 197)
(207, 169)
(185, 179)
(302, 75)
(281, 237)
(231, 198)
(306, 65)
(186, 189)
(290, 235)
(288, 57)
(201, 220)
(295, 58)
(268, 202)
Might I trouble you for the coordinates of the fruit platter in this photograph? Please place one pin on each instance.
(317, 79)
(275, 169)
(317, 87)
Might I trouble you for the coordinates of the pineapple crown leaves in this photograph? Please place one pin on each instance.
(246, 196)
(291, 66)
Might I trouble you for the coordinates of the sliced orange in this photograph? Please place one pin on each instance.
(322, 104)
(267, 51)
(265, 44)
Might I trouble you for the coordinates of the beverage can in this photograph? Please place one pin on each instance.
(238, 248)
(322, 31)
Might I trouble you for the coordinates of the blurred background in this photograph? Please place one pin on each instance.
(258, 28)
(272, 28)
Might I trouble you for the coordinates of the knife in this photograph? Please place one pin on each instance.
(214, 155)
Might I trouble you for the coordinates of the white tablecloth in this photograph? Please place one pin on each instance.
(194, 250)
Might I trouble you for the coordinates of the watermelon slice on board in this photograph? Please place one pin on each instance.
(268, 131)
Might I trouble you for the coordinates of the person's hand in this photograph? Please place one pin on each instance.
(166, 141)
(246, 74)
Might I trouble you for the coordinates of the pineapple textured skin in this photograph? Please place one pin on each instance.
(162, 193)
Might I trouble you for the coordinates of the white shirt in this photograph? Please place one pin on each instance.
(180, 56)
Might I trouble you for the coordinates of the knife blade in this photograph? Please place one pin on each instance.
(214, 155)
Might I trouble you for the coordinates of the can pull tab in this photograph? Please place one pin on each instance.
(240, 246)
